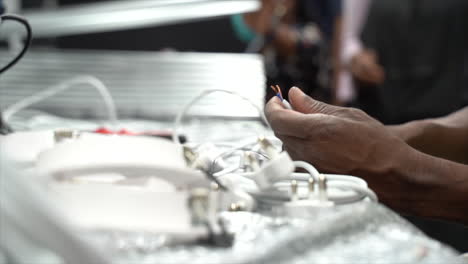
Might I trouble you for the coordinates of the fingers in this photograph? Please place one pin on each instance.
(366, 68)
(369, 73)
(298, 149)
(287, 122)
(307, 105)
(284, 121)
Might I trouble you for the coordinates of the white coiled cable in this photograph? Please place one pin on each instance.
(63, 86)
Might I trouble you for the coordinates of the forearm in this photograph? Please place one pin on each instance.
(430, 187)
(347, 141)
(445, 137)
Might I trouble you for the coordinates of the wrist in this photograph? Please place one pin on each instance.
(427, 186)
(411, 131)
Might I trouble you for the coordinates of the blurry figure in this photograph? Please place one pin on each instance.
(2, 8)
(408, 58)
(295, 37)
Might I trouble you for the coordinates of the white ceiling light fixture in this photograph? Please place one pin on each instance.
(122, 15)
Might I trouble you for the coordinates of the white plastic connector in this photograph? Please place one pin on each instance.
(236, 195)
(206, 159)
(286, 104)
(275, 170)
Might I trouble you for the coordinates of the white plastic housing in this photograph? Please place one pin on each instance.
(278, 169)
(127, 156)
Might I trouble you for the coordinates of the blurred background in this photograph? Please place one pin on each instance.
(399, 60)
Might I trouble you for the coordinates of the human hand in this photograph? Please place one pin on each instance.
(364, 67)
(346, 140)
(334, 139)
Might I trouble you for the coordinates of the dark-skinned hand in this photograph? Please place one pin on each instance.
(340, 140)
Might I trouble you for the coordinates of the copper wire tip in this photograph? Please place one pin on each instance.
(279, 90)
(274, 88)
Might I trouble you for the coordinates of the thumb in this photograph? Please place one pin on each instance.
(307, 105)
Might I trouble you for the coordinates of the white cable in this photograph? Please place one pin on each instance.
(359, 192)
(345, 182)
(331, 178)
(181, 114)
(339, 181)
(309, 168)
(357, 186)
(359, 189)
(49, 92)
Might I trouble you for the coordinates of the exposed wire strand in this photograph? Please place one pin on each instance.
(279, 91)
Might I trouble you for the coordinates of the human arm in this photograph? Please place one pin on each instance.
(274, 19)
(445, 137)
(355, 60)
(346, 140)
(361, 61)
(354, 17)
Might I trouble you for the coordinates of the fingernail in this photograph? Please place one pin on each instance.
(298, 90)
(295, 87)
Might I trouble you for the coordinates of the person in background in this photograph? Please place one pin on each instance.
(295, 38)
(2, 8)
(405, 60)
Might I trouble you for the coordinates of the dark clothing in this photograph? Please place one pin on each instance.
(423, 47)
(323, 12)
(310, 68)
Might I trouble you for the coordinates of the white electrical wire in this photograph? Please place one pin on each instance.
(309, 168)
(357, 188)
(49, 92)
(357, 193)
(336, 181)
(298, 176)
(181, 114)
